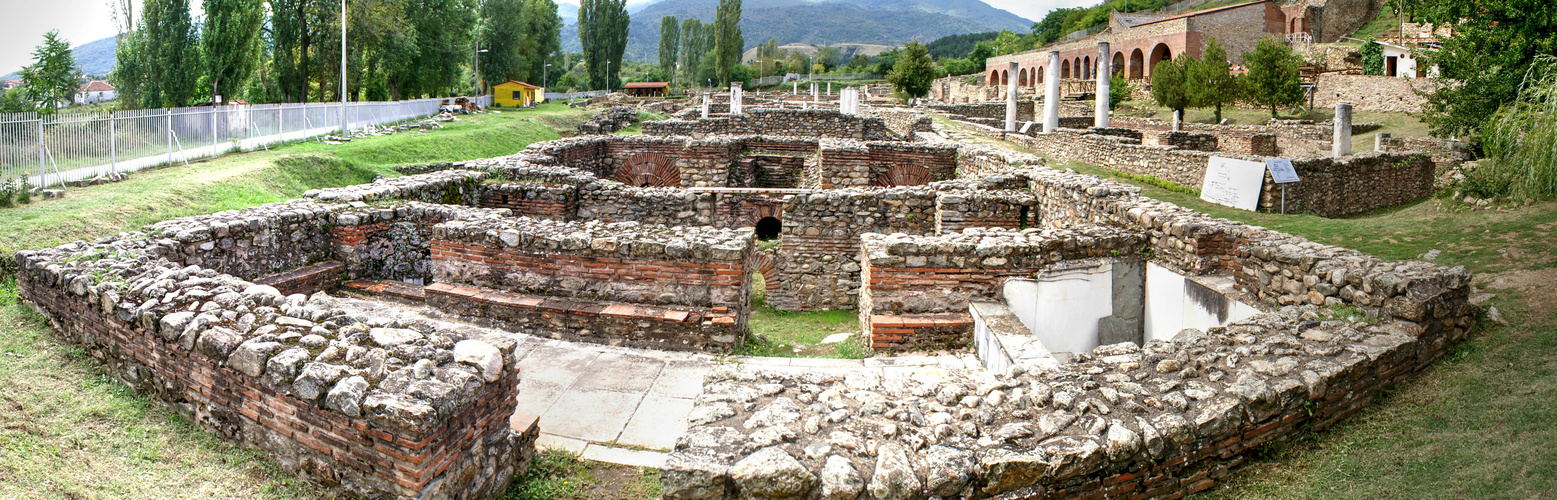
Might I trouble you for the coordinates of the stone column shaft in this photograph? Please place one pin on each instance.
(1051, 94)
(735, 98)
(1104, 71)
(1342, 144)
(1011, 91)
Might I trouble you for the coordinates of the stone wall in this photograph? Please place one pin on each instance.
(248, 243)
(817, 263)
(1446, 153)
(760, 121)
(1188, 140)
(610, 274)
(1292, 139)
(1373, 93)
(362, 406)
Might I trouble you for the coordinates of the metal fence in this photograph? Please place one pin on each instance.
(574, 95)
(67, 147)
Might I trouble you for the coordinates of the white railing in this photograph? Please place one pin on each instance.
(1299, 37)
(69, 147)
(574, 95)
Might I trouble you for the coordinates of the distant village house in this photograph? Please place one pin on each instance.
(515, 94)
(96, 91)
(646, 89)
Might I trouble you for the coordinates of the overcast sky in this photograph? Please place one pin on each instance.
(23, 22)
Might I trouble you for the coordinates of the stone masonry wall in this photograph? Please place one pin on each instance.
(1373, 93)
(817, 264)
(809, 123)
(362, 406)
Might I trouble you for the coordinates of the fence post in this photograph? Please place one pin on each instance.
(170, 136)
(113, 151)
(213, 130)
(43, 174)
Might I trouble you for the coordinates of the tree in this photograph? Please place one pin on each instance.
(602, 30)
(51, 80)
(692, 48)
(1492, 50)
(980, 55)
(440, 51)
(828, 57)
(1210, 80)
(230, 41)
(1169, 85)
(169, 53)
(1372, 57)
(913, 73)
(670, 45)
(728, 42)
(1272, 80)
(1119, 90)
(1519, 141)
(502, 33)
(542, 38)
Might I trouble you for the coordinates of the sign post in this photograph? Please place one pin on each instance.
(1282, 173)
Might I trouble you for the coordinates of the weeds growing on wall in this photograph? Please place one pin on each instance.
(1520, 140)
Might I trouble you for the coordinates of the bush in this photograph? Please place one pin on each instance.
(1372, 57)
(1520, 139)
(1119, 90)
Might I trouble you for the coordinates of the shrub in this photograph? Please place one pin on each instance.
(1521, 137)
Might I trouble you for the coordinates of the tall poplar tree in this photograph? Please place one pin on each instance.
(502, 34)
(602, 30)
(670, 43)
(693, 46)
(230, 42)
(170, 53)
(728, 41)
(542, 38)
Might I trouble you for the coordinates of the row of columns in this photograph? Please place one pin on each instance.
(1051, 94)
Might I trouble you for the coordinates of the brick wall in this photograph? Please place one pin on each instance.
(307, 279)
(717, 329)
(781, 122)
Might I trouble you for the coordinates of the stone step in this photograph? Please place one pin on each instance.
(396, 289)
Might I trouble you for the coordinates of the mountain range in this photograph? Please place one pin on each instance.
(94, 58)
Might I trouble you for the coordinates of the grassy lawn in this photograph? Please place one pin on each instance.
(1397, 124)
(561, 475)
(69, 431)
(798, 334)
(1478, 424)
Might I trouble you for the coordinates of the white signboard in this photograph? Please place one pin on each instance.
(1025, 126)
(1281, 170)
(1233, 183)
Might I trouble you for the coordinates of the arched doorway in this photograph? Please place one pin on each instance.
(1021, 77)
(1075, 69)
(1065, 69)
(769, 228)
(1118, 65)
(1137, 62)
(1160, 53)
(1041, 74)
(1005, 76)
(649, 170)
(1086, 67)
(994, 77)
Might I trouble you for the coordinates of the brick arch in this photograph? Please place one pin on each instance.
(1118, 67)
(1160, 53)
(1021, 77)
(1137, 64)
(1075, 71)
(762, 211)
(649, 170)
(1065, 69)
(761, 263)
(994, 77)
(1086, 67)
(903, 175)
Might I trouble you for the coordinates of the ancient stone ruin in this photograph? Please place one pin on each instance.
(1187, 340)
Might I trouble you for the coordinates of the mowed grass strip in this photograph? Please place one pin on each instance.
(67, 429)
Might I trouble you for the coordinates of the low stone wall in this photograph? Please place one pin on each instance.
(980, 208)
(817, 263)
(807, 123)
(452, 187)
(389, 241)
(1026, 110)
(381, 411)
(249, 243)
(1373, 93)
(306, 280)
(906, 124)
(1188, 140)
(1446, 153)
(682, 274)
(1292, 139)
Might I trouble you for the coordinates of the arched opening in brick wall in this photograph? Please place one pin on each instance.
(1041, 73)
(1075, 69)
(1118, 66)
(649, 170)
(1086, 67)
(1065, 69)
(1136, 64)
(903, 175)
(765, 278)
(994, 78)
(769, 228)
(1160, 53)
(1005, 76)
(1021, 78)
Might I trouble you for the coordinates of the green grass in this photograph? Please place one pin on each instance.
(798, 334)
(249, 179)
(1477, 424)
(561, 475)
(67, 430)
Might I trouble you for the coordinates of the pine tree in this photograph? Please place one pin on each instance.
(1272, 80)
(1210, 81)
(670, 45)
(1169, 87)
(913, 72)
(50, 81)
(729, 43)
(230, 42)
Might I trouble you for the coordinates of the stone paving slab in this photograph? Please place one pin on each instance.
(624, 456)
(658, 423)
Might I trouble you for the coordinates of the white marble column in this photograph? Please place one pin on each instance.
(1100, 112)
(1342, 144)
(1011, 93)
(735, 98)
(708, 98)
(1051, 94)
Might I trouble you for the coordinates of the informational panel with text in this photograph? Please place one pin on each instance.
(1281, 170)
(1233, 183)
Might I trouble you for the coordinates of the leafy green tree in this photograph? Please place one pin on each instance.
(693, 46)
(1494, 45)
(602, 30)
(502, 33)
(728, 41)
(1048, 30)
(828, 57)
(1170, 84)
(1272, 80)
(1210, 80)
(381, 41)
(913, 73)
(14, 101)
(170, 53)
(1520, 139)
(1010, 43)
(51, 80)
(1372, 57)
(1119, 90)
(230, 40)
(288, 48)
(980, 55)
(670, 44)
(542, 38)
(129, 75)
(440, 50)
